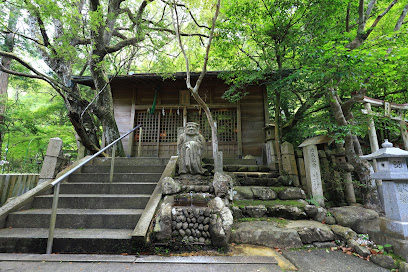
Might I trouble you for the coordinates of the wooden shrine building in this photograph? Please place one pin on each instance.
(240, 125)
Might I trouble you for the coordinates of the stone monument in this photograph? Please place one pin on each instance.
(393, 171)
(312, 168)
(190, 146)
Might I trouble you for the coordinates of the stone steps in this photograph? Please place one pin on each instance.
(76, 218)
(118, 177)
(107, 188)
(93, 201)
(34, 240)
(123, 169)
(94, 215)
(131, 161)
(232, 161)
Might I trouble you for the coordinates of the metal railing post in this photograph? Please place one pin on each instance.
(53, 218)
(112, 169)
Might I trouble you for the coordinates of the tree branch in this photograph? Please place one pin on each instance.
(379, 17)
(41, 25)
(122, 44)
(189, 12)
(182, 34)
(401, 19)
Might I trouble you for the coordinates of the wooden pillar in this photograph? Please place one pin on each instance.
(404, 132)
(266, 105)
(239, 129)
(371, 130)
(132, 125)
(158, 134)
(184, 116)
(374, 147)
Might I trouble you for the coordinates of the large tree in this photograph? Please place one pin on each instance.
(84, 37)
(262, 41)
(8, 46)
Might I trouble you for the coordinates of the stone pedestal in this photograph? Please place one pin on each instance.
(393, 171)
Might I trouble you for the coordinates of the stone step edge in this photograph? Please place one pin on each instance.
(42, 233)
(97, 195)
(65, 211)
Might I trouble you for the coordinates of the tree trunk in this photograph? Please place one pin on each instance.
(103, 107)
(352, 146)
(5, 61)
(278, 130)
(213, 126)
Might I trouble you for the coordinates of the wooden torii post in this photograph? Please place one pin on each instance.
(368, 102)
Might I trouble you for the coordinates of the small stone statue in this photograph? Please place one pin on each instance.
(190, 146)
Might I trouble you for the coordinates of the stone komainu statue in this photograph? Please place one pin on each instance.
(190, 146)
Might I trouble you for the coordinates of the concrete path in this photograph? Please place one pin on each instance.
(320, 260)
(91, 263)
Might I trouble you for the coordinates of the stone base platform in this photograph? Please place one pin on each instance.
(381, 238)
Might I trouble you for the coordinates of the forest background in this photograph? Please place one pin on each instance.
(317, 59)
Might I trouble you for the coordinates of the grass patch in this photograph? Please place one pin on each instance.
(268, 203)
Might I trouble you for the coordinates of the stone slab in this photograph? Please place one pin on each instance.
(265, 233)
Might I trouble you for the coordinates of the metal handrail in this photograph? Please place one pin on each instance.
(57, 182)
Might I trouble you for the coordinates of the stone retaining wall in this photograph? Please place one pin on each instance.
(192, 224)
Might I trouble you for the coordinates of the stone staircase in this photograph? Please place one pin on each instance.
(94, 215)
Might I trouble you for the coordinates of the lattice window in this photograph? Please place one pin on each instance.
(168, 127)
(150, 126)
(226, 122)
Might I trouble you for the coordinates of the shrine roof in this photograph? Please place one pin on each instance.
(321, 139)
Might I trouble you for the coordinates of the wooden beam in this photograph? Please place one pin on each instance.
(218, 106)
(381, 103)
(380, 115)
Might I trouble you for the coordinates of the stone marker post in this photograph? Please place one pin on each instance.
(313, 176)
(289, 162)
(301, 169)
(52, 161)
(393, 171)
(219, 166)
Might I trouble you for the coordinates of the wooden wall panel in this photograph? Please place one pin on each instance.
(253, 122)
(252, 106)
(122, 110)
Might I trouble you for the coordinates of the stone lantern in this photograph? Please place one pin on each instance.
(393, 171)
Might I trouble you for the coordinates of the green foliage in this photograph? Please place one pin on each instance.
(32, 118)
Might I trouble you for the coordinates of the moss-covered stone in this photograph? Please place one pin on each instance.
(269, 203)
(253, 168)
(279, 221)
